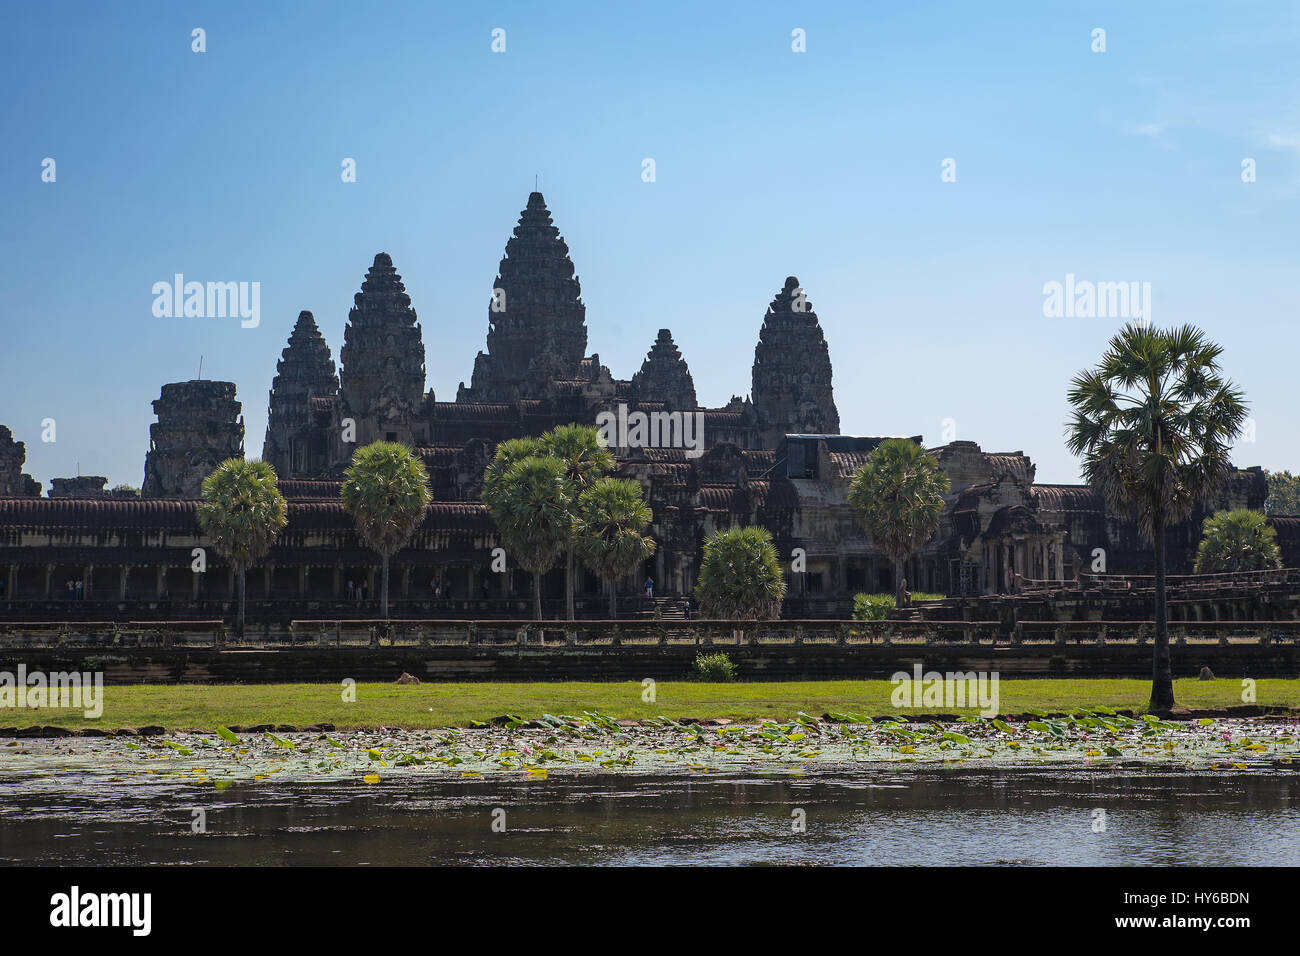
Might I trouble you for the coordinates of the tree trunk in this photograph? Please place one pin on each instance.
(613, 598)
(537, 595)
(383, 590)
(568, 583)
(239, 621)
(1162, 678)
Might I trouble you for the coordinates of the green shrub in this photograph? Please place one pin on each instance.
(714, 668)
(876, 607)
(872, 607)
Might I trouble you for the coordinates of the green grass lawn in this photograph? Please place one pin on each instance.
(203, 707)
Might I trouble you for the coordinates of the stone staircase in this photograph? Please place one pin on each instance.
(670, 609)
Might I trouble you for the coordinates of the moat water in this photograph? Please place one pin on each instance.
(883, 816)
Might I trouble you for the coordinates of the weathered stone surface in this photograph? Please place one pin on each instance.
(537, 331)
(664, 376)
(303, 394)
(792, 370)
(13, 482)
(199, 426)
(82, 486)
(382, 377)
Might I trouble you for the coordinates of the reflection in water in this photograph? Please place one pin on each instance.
(949, 817)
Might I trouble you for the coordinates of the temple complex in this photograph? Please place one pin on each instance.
(775, 458)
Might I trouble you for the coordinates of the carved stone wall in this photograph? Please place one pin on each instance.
(537, 331)
(199, 426)
(792, 370)
(665, 376)
(382, 375)
(303, 393)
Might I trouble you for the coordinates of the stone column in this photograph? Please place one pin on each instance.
(302, 580)
(406, 582)
(267, 571)
(335, 582)
(11, 589)
(123, 573)
(49, 576)
(159, 581)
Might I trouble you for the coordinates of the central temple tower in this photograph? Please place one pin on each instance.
(537, 324)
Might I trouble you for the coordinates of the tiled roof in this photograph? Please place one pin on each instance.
(97, 512)
(1067, 498)
(157, 513)
(472, 411)
(301, 488)
(1009, 465)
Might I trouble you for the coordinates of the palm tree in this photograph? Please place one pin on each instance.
(242, 512)
(386, 490)
(1238, 540)
(585, 459)
(1153, 423)
(612, 516)
(529, 502)
(898, 496)
(740, 576)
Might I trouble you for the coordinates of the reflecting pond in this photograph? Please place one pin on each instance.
(879, 815)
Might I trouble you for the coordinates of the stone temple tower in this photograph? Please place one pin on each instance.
(792, 371)
(199, 426)
(665, 377)
(302, 397)
(382, 377)
(537, 324)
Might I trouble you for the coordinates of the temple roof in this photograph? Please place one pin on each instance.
(178, 514)
(1067, 498)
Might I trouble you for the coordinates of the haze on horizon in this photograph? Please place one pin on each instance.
(1122, 166)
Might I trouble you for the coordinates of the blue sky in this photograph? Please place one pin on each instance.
(1115, 166)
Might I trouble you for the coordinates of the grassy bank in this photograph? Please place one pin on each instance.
(195, 706)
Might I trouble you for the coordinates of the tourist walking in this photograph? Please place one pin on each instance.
(650, 588)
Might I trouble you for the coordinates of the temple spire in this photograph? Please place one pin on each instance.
(537, 330)
(792, 370)
(303, 390)
(382, 378)
(665, 376)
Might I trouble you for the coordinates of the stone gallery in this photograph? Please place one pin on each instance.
(776, 458)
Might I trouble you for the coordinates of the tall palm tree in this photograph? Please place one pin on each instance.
(585, 460)
(740, 576)
(530, 504)
(386, 490)
(242, 512)
(898, 496)
(1154, 422)
(612, 515)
